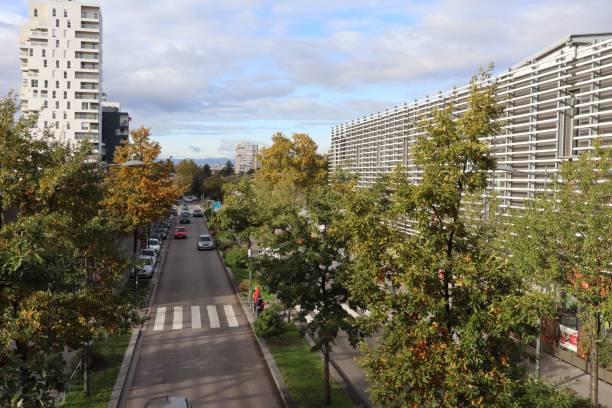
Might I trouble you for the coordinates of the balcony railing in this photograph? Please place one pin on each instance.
(81, 55)
(89, 86)
(91, 16)
(87, 46)
(90, 36)
(90, 26)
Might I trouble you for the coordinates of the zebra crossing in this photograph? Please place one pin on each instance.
(171, 318)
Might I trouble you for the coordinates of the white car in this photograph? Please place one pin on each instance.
(148, 253)
(145, 267)
(154, 244)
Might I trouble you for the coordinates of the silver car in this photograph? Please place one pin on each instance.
(205, 241)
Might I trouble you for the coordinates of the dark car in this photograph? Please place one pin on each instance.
(205, 242)
(197, 212)
(180, 232)
(185, 220)
(174, 211)
(169, 402)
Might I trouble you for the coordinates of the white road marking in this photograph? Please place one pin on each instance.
(160, 317)
(213, 316)
(231, 317)
(196, 321)
(177, 322)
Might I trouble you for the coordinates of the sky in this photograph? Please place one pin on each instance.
(207, 74)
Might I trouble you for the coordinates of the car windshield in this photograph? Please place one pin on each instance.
(180, 229)
(153, 241)
(146, 260)
(204, 238)
(148, 252)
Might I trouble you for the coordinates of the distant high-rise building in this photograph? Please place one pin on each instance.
(61, 57)
(246, 157)
(115, 129)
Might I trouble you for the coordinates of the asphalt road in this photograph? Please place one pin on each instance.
(198, 343)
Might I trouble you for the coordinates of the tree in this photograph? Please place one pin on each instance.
(59, 261)
(295, 160)
(446, 302)
(139, 196)
(240, 209)
(228, 169)
(186, 171)
(308, 271)
(213, 187)
(565, 239)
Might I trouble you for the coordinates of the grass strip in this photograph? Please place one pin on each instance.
(102, 378)
(302, 370)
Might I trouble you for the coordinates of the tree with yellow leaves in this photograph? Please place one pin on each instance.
(140, 195)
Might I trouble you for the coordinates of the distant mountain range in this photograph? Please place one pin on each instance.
(211, 161)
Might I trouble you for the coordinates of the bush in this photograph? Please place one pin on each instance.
(270, 323)
(243, 286)
(236, 257)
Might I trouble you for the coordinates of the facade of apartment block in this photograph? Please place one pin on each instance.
(246, 157)
(115, 129)
(61, 64)
(555, 104)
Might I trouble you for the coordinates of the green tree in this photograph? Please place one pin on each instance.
(240, 209)
(59, 262)
(186, 171)
(446, 302)
(565, 239)
(307, 269)
(228, 169)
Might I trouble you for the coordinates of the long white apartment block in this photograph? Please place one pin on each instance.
(555, 104)
(246, 157)
(61, 65)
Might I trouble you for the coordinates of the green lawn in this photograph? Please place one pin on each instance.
(302, 370)
(103, 378)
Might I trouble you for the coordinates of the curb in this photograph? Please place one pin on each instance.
(279, 381)
(127, 370)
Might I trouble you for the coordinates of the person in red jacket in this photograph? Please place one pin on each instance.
(255, 296)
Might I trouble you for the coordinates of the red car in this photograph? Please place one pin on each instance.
(180, 232)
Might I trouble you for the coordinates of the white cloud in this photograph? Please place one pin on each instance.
(209, 72)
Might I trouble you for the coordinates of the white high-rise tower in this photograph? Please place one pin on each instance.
(61, 64)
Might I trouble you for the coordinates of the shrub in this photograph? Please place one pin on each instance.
(270, 323)
(236, 257)
(243, 286)
(224, 244)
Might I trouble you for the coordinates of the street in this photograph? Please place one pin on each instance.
(198, 343)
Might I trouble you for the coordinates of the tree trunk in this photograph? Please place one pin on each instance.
(326, 386)
(86, 390)
(594, 360)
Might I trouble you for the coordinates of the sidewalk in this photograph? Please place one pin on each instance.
(554, 371)
(558, 372)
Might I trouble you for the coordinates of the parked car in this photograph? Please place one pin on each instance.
(145, 267)
(169, 402)
(174, 211)
(154, 243)
(148, 253)
(180, 233)
(162, 232)
(205, 242)
(197, 212)
(185, 220)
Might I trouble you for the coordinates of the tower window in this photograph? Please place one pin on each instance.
(54, 13)
(35, 12)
